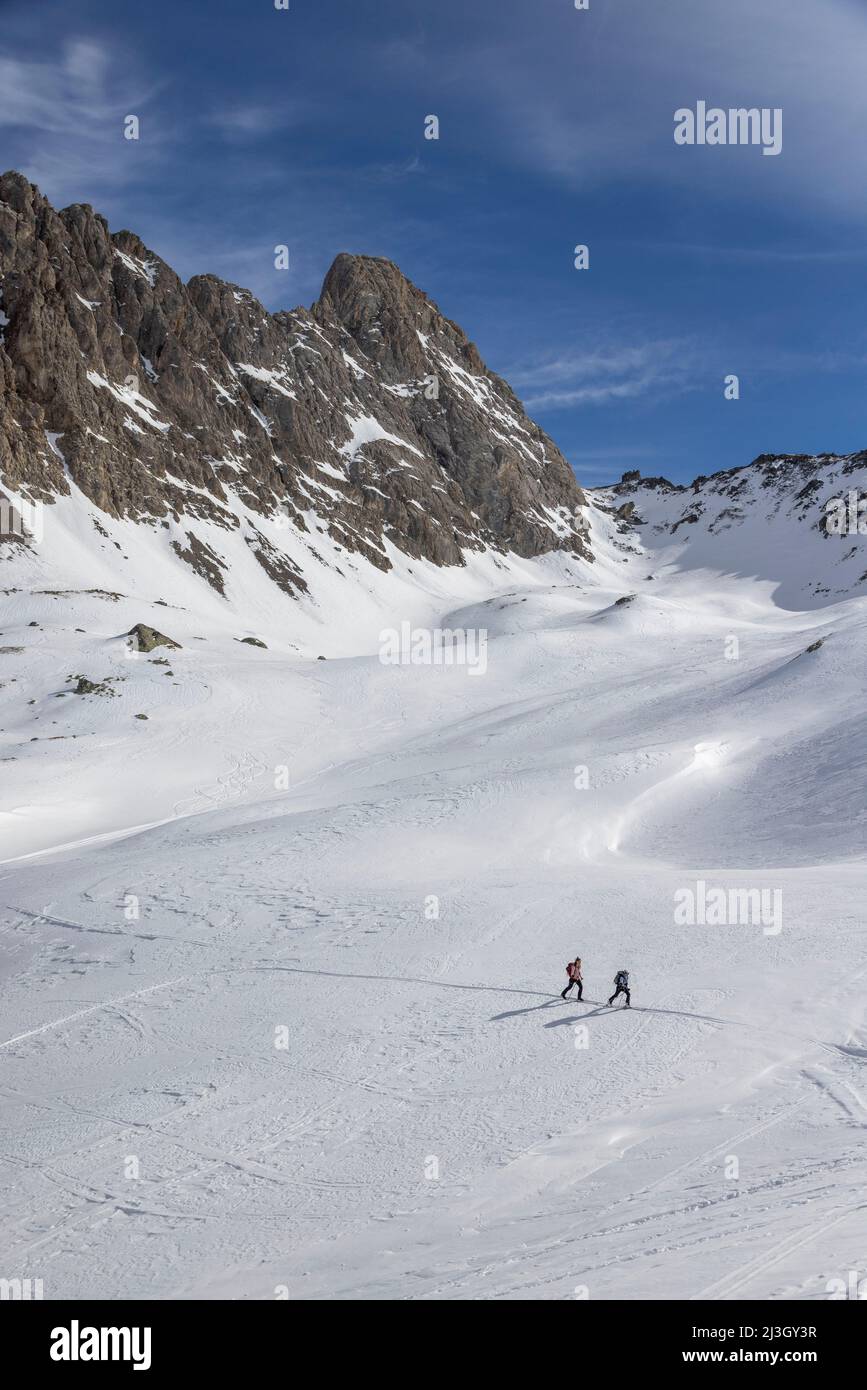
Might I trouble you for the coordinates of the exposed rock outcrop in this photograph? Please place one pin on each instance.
(370, 415)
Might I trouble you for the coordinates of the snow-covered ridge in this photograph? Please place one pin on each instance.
(796, 521)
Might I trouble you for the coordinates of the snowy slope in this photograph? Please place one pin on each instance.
(796, 521)
(213, 712)
(332, 1084)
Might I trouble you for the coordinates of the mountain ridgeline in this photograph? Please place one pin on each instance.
(369, 418)
(263, 455)
(796, 520)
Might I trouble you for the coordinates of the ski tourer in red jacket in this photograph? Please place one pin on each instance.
(573, 970)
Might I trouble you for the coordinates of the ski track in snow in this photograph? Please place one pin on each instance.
(436, 1125)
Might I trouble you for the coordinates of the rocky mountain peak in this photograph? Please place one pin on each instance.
(358, 290)
(386, 314)
(369, 420)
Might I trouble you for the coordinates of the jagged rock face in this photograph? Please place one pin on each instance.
(370, 414)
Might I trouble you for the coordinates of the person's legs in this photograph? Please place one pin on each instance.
(567, 989)
(628, 998)
(580, 984)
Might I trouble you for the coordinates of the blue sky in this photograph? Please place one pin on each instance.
(306, 127)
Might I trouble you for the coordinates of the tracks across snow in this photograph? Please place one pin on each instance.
(332, 1038)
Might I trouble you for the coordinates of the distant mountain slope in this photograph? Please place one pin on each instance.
(774, 519)
(369, 420)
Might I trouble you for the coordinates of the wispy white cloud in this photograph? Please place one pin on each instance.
(394, 171)
(605, 375)
(46, 94)
(589, 97)
(63, 115)
(659, 369)
(252, 121)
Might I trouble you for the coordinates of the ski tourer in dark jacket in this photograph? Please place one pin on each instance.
(621, 986)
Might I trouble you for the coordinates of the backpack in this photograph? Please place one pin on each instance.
(621, 978)
(570, 966)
